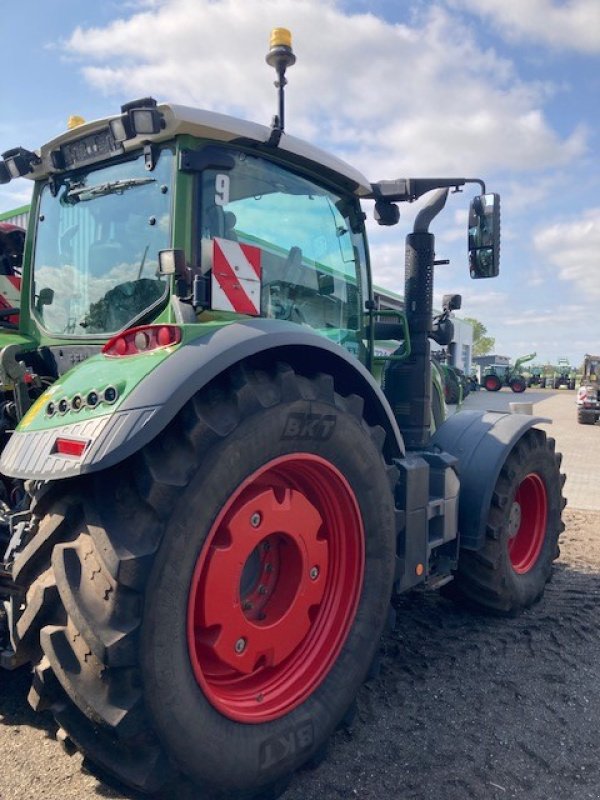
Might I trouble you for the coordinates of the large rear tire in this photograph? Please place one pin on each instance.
(211, 607)
(512, 568)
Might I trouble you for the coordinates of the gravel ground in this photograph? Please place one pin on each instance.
(466, 706)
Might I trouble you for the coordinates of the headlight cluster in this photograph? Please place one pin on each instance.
(92, 399)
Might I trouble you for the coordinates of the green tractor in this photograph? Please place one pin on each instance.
(498, 375)
(534, 375)
(565, 376)
(208, 499)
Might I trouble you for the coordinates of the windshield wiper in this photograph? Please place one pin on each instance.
(110, 187)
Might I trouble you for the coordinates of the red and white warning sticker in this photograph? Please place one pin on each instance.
(236, 274)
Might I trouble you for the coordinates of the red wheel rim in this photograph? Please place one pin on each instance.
(527, 524)
(276, 588)
(490, 383)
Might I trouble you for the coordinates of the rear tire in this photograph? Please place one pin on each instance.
(586, 417)
(132, 553)
(451, 390)
(509, 573)
(492, 383)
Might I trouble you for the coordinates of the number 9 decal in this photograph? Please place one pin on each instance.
(221, 190)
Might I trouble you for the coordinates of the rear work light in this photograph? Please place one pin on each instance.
(142, 339)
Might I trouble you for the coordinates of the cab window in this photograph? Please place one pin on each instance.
(301, 236)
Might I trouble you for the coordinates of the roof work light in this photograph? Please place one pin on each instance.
(17, 162)
(138, 118)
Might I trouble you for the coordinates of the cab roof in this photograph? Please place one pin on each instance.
(205, 124)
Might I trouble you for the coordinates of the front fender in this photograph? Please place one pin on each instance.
(481, 440)
(149, 408)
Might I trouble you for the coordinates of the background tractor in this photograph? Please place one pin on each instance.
(456, 384)
(534, 375)
(498, 375)
(209, 499)
(564, 375)
(588, 395)
(12, 242)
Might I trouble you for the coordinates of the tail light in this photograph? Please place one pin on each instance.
(69, 447)
(142, 339)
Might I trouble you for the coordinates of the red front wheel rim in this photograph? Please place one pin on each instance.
(275, 590)
(527, 525)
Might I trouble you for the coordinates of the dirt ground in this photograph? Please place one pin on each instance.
(466, 706)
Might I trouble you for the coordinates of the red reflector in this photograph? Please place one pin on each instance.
(69, 447)
(142, 339)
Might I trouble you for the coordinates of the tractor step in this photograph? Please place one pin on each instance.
(427, 519)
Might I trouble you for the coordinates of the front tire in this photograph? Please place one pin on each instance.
(510, 572)
(168, 631)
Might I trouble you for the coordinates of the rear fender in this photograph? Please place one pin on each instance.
(481, 440)
(149, 408)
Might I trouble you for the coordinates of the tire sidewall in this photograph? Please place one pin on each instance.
(238, 755)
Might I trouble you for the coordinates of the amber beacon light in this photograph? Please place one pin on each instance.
(280, 57)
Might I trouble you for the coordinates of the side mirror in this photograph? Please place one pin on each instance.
(46, 297)
(326, 284)
(452, 302)
(171, 262)
(484, 236)
(386, 213)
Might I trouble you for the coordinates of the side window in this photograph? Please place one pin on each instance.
(298, 234)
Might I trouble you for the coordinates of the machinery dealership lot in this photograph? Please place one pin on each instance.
(466, 706)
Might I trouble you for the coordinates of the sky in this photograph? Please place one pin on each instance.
(506, 91)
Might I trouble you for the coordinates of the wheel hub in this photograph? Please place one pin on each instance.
(514, 520)
(527, 523)
(275, 589)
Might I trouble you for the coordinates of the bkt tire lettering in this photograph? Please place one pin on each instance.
(280, 748)
(317, 427)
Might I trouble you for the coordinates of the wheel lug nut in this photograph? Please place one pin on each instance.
(255, 519)
(268, 567)
(314, 573)
(240, 645)
(247, 605)
(262, 589)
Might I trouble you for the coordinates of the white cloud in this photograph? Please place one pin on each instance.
(571, 249)
(567, 24)
(533, 317)
(394, 99)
